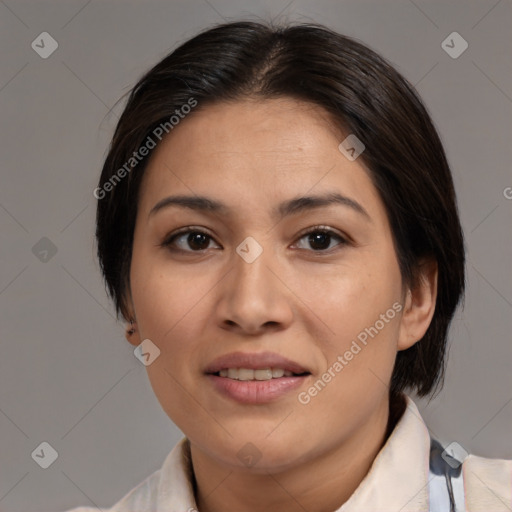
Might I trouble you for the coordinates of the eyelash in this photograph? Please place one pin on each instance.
(169, 241)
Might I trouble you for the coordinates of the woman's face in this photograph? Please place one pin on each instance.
(245, 286)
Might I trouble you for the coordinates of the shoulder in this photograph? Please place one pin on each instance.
(167, 487)
(141, 498)
(487, 483)
(83, 509)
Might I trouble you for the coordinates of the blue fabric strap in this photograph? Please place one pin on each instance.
(446, 488)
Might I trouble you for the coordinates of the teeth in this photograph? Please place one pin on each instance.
(245, 374)
(250, 374)
(265, 374)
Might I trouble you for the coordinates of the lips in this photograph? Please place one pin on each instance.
(257, 378)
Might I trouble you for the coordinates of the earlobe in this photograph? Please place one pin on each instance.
(419, 307)
(132, 333)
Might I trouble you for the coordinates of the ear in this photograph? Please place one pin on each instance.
(420, 304)
(132, 333)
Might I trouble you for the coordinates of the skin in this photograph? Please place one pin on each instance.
(304, 301)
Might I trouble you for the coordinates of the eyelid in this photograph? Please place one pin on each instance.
(327, 229)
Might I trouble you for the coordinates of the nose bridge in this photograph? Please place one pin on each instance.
(251, 261)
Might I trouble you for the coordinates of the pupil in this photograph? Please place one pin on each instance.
(197, 240)
(322, 238)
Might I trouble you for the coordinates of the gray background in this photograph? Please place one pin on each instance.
(67, 376)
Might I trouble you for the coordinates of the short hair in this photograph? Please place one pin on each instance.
(363, 93)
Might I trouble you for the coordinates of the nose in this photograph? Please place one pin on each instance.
(254, 298)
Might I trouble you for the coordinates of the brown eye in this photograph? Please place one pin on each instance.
(320, 239)
(188, 241)
(198, 241)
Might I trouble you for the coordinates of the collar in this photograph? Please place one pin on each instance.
(396, 481)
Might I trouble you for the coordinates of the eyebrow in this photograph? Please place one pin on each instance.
(290, 207)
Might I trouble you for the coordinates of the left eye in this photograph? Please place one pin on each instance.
(320, 239)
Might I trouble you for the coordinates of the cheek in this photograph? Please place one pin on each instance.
(360, 308)
(162, 296)
(170, 306)
(166, 306)
(353, 297)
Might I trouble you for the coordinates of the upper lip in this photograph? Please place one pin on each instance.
(254, 361)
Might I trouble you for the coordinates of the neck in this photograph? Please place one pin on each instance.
(320, 484)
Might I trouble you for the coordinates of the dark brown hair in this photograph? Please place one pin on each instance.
(362, 92)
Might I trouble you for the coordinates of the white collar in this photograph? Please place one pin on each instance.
(397, 480)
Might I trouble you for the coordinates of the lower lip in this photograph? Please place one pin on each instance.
(256, 391)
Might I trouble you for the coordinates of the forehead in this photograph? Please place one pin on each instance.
(253, 128)
(254, 150)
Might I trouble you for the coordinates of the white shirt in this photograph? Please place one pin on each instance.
(398, 480)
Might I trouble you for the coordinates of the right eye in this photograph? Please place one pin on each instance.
(196, 239)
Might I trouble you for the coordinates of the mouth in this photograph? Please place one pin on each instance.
(255, 378)
(259, 374)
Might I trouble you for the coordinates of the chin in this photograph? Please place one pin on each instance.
(262, 455)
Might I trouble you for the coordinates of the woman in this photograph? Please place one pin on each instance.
(277, 224)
